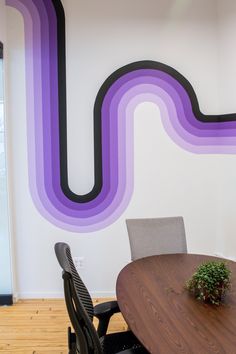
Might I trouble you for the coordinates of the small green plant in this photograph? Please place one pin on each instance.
(210, 282)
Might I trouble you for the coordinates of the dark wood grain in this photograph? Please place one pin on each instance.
(165, 317)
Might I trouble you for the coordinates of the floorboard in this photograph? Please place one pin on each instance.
(40, 327)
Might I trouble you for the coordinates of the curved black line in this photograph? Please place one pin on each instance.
(63, 121)
(145, 64)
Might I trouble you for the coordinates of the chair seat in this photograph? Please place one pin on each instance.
(124, 342)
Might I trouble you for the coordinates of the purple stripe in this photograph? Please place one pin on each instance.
(117, 127)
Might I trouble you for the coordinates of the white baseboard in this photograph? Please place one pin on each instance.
(98, 294)
(40, 295)
(59, 295)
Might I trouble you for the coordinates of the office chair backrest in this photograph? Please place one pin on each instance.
(150, 237)
(79, 303)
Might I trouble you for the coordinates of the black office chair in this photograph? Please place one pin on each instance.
(85, 339)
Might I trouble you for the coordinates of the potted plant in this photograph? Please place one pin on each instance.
(210, 282)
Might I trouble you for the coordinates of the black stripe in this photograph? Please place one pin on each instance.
(63, 121)
(145, 64)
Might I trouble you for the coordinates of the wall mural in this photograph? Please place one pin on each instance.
(144, 81)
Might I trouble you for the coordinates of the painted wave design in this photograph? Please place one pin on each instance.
(144, 81)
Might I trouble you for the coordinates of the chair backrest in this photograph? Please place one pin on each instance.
(149, 237)
(79, 303)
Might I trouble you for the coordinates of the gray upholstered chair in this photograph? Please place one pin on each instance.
(149, 237)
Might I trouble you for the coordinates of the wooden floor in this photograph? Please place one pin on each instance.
(39, 327)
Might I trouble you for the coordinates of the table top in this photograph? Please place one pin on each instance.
(165, 317)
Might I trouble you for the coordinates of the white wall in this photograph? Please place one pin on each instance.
(2, 21)
(227, 94)
(101, 37)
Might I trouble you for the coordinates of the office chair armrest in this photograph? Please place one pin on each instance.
(106, 308)
(103, 312)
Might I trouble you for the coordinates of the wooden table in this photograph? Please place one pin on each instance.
(165, 317)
